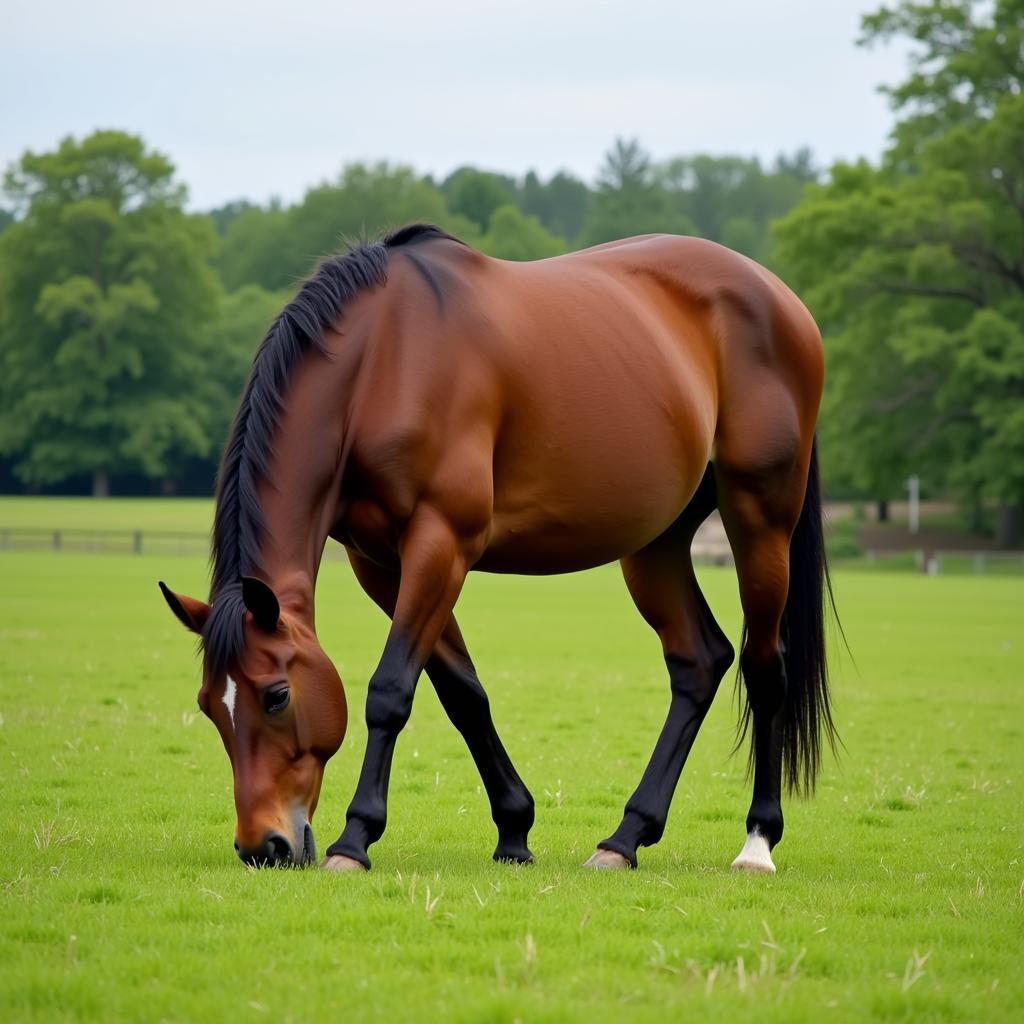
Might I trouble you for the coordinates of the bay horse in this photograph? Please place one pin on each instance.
(436, 411)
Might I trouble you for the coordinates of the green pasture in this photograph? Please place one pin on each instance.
(177, 514)
(900, 892)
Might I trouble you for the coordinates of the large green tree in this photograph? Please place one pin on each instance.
(915, 268)
(631, 199)
(511, 235)
(476, 194)
(275, 247)
(733, 199)
(107, 300)
(561, 203)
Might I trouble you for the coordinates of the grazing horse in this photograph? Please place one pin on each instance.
(436, 411)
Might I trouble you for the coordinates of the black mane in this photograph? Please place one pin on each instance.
(238, 526)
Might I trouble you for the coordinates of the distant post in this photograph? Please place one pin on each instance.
(914, 486)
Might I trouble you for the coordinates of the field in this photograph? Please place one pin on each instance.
(900, 892)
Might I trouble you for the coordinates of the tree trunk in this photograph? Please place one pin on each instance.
(883, 510)
(101, 484)
(1009, 524)
(168, 487)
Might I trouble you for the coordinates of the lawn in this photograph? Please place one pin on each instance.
(900, 892)
(178, 514)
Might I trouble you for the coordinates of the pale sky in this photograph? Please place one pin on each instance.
(258, 99)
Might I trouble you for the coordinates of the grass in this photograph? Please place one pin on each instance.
(900, 889)
(177, 514)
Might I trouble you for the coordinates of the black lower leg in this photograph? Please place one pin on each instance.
(466, 704)
(766, 691)
(388, 705)
(693, 689)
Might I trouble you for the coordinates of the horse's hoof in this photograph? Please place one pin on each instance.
(755, 857)
(339, 862)
(608, 860)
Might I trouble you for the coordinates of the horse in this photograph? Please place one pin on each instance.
(438, 411)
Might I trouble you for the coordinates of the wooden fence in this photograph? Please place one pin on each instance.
(113, 542)
(706, 550)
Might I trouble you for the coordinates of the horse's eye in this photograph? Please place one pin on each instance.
(276, 700)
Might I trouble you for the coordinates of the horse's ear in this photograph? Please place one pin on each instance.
(192, 614)
(262, 602)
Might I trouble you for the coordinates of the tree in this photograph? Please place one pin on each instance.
(256, 249)
(915, 273)
(475, 194)
(966, 58)
(222, 216)
(630, 200)
(513, 236)
(275, 247)
(733, 200)
(561, 204)
(106, 297)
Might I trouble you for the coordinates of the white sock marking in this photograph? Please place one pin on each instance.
(230, 691)
(755, 855)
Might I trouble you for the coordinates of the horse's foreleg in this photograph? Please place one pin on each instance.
(662, 584)
(465, 702)
(434, 564)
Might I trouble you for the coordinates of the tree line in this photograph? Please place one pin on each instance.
(127, 323)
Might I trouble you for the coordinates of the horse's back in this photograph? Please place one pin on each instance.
(581, 396)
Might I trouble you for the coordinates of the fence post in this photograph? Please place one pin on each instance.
(56, 540)
(137, 542)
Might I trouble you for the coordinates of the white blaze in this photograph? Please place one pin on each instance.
(230, 690)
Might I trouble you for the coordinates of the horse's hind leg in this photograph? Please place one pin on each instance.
(465, 702)
(661, 582)
(462, 696)
(760, 509)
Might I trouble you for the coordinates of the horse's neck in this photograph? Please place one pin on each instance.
(299, 501)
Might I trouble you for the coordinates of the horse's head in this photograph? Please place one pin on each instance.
(279, 706)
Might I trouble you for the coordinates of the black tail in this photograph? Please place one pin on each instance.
(806, 714)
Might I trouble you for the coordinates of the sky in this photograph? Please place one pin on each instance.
(262, 99)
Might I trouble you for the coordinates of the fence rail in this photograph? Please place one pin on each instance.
(193, 542)
(934, 562)
(111, 542)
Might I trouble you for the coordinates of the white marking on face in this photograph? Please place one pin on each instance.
(230, 692)
(755, 856)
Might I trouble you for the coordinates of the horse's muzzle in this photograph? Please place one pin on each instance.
(276, 851)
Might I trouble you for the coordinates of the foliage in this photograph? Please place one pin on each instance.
(914, 269)
(512, 235)
(631, 200)
(966, 56)
(733, 200)
(561, 204)
(276, 247)
(475, 194)
(106, 297)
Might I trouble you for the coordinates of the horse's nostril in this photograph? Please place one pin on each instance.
(280, 848)
(274, 851)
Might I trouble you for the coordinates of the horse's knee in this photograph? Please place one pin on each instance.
(389, 702)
